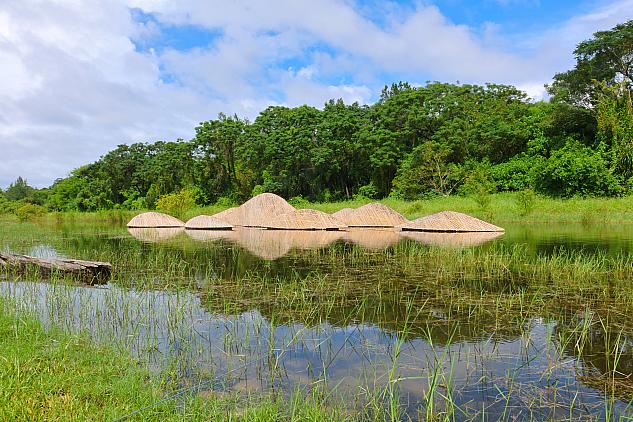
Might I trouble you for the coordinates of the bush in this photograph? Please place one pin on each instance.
(176, 204)
(479, 184)
(515, 174)
(575, 170)
(368, 191)
(29, 212)
(298, 202)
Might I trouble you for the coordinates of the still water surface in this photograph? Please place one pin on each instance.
(243, 319)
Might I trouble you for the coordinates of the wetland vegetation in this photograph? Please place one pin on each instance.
(536, 324)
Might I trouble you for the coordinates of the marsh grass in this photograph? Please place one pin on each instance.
(431, 327)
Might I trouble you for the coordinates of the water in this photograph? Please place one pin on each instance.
(359, 316)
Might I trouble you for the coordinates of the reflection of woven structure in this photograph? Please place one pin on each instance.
(372, 215)
(154, 219)
(273, 244)
(373, 238)
(305, 219)
(154, 234)
(211, 235)
(454, 240)
(449, 221)
(207, 222)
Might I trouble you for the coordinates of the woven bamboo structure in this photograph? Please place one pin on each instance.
(230, 216)
(452, 240)
(155, 234)
(342, 214)
(207, 222)
(373, 238)
(305, 219)
(449, 221)
(372, 215)
(155, 220)
(261, 209)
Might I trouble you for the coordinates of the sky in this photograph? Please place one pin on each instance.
(78, 78)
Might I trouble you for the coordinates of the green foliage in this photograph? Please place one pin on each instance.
(368, 191)
(575, 170)
(29, 212)
(526, 200)
(426, 172)
(176, 204)
(515, 174)
(479, 184)
(298, 202)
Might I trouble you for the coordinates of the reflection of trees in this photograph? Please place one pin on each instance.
(603, 342)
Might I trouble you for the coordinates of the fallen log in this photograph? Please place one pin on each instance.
(91, 272)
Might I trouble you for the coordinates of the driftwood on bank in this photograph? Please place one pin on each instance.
(91, 272)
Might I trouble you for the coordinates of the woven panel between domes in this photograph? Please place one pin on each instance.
(305, 219)
(373, 215)
(230, 216)
(450, 221)
(207, 222)
(154, 220)
(342, 214)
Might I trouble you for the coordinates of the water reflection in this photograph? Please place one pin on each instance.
(250, 351)
(274, 244)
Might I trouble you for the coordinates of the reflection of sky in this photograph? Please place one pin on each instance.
(172, 329)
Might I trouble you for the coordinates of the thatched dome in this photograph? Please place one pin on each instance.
(154, 219)
(155, 234)
(230, 216)
(305, 219)
(449, 221)
(373, 238)
(372, 215)
(261, 209)
(341, 214)
(452, 240)
(206, 222)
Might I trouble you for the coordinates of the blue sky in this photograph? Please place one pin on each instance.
(80, 77)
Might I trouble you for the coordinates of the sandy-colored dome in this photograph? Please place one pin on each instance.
(449, 221)
(154, 219)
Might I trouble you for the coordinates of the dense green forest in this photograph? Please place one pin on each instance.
(414, 142)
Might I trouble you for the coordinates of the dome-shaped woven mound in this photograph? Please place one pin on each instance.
(207, 222)
(452, 240)
(261, 209)
(373, 238)
(230, 216)
(372, 215)
(305, 219)
(154, 219)
(155, 234)
(341, 214)
(449, 221)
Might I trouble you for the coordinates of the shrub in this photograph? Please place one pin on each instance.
(479, 184)
(368, 191)
(176, 204)
(298, 202)
(525, 201)
(575, 170)
(29, 212)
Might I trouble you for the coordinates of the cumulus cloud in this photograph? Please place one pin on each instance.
(80, 77)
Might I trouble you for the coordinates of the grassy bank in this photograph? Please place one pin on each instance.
(499, 208)
(54, 375)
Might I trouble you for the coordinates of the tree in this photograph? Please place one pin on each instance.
(18, 190)
(607, 60)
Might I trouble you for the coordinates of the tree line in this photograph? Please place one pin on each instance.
(413, 143)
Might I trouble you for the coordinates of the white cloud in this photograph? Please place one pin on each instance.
(73, 85)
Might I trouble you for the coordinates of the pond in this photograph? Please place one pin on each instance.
(536, 323)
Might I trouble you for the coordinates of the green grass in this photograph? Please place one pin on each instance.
(53, 375)
(503, 207)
